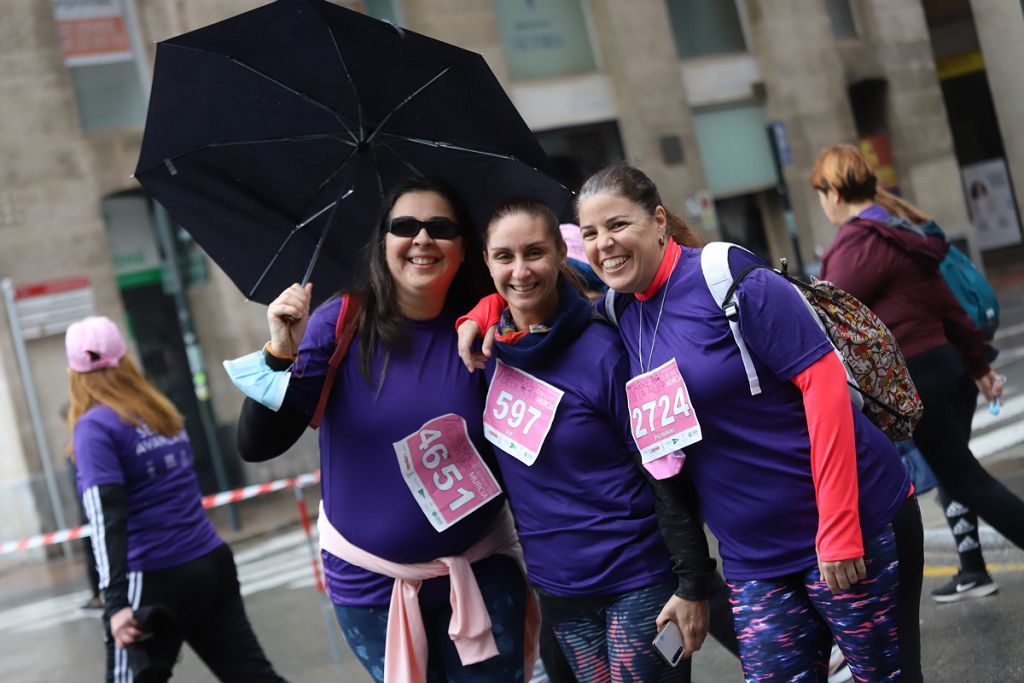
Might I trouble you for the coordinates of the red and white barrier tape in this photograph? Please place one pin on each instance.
(212, 501)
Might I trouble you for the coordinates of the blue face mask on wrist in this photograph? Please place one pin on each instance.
(254, 378)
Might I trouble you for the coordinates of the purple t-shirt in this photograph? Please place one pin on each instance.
(752, 467)
(365, 496)
(167, 525)
(584, 512)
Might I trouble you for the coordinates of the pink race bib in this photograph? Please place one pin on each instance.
(444, 471)
(661, 417)
(519, 412)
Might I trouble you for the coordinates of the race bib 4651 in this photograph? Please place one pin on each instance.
(444, 471)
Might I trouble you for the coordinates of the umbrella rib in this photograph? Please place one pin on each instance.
(276, 82)
(237, 143)
(448, 145)
(323, 235)
(300, 226)
(337, 170)
(348, 75)
(401, 159)
(413, 94)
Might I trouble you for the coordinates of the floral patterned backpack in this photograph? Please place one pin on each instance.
(875, 367)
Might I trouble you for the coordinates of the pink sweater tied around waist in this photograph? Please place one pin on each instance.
(405, 651)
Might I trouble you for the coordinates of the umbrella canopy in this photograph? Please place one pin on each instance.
(272, 136)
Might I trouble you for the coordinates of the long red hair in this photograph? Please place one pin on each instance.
(846, 169)
(125, 391)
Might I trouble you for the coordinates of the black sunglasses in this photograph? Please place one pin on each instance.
(437, 228)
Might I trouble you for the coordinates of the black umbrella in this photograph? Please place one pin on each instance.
(271, 137)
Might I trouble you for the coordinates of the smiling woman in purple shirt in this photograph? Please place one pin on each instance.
(419, 549)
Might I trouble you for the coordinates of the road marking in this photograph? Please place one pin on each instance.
(993, 568)
(1010, 331)
(1011, 407)
(997, 440)
(1008, 357)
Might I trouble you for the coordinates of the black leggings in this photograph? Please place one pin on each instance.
(943, 442)
(909, 533)
(962, 520)
(203, 597)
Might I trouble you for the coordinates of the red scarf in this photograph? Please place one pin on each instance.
(668, 263)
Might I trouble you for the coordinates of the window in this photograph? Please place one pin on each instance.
(734, 149)
(378, 9)
(580, 151)
(99, 54)
(840, 15)
(109, 96)
(706, 27)
(543, 38)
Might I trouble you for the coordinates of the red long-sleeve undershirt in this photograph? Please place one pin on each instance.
(486, 313)
(833, 458)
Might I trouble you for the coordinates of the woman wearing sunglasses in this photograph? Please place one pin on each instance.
(409, 499)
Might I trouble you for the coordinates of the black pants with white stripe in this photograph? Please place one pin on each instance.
(203, 595)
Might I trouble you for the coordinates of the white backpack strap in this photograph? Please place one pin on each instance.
(609, 307)
(714, 263)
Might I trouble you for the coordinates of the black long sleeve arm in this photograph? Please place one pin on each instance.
(264, 434)
(677, 508)
(106, 506)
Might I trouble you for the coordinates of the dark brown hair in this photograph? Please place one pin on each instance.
(380, 318)
(535, 208)
(635, 185)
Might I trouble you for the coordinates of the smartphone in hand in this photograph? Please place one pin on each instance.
(669, 644)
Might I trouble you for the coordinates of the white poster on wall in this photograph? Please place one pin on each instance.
(990, 200)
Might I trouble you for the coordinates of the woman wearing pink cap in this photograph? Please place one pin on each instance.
(166, 576)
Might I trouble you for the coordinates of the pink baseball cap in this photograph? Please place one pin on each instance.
(93, 343)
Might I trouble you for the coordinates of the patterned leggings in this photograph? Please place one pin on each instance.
(785, 625)
(609, 640)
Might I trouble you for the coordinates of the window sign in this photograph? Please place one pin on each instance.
(92, 32)
(543, 38)
(97, 46)
(990, 199)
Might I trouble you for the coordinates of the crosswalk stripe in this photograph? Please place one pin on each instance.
(997, 440)
(282, 561)
(1011, 408)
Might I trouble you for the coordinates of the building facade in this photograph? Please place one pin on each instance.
(724, 103)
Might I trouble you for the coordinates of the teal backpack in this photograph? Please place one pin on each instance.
(969, 286)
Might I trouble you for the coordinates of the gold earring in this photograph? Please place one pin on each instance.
(661, 240)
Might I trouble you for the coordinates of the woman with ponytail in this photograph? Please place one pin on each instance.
(881, 256)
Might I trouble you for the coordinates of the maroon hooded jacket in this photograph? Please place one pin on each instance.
(895, 272)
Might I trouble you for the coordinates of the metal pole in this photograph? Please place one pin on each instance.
(774, 134)
(32, 400)
(325, 605)
(195, 355)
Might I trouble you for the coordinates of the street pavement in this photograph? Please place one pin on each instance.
(44, 637)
